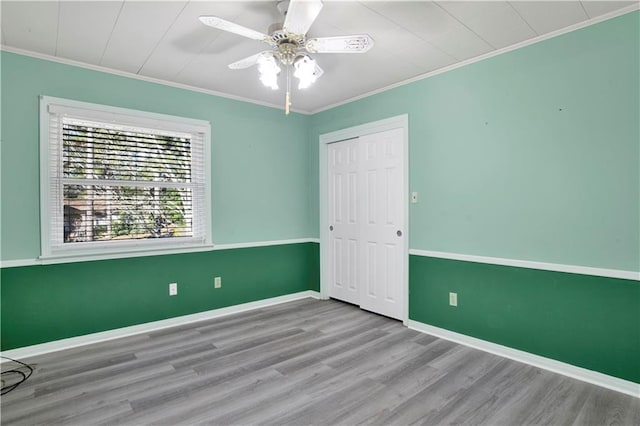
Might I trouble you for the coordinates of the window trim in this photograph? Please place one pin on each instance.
(125, 116)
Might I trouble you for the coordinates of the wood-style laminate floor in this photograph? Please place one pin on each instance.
(303, 362)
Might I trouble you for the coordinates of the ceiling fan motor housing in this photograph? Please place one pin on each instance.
(275, 28)
(278, 36)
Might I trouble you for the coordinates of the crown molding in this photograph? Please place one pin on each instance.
(571, 28)
(126, 74)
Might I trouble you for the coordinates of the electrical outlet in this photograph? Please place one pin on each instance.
(414, 197)
(217, 282)
(453, 299)
(173, 289)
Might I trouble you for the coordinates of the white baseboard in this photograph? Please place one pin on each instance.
(579, 373)
(589, 376)
(87, 339)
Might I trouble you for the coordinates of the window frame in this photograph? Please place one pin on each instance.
(52, 106)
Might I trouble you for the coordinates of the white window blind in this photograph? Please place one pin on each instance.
(120, 180)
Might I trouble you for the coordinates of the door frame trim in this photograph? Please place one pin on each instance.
(399, 121)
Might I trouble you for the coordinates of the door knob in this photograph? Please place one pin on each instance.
(399, 233)
(331, 228)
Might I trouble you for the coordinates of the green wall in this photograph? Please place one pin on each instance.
(51, 302)
(530, 155)
(259, 176)
(259, 171)
(588, 321)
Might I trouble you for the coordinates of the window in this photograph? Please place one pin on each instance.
(117, 180)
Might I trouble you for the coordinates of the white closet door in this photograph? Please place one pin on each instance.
(344, 220)
(384, 230)
(366, 219)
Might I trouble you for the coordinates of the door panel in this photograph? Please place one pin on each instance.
(343, 217)
(384, 231)
(366, 185)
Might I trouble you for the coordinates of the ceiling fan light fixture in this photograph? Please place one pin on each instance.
(306, 70)
(269, 71)
(287, 41)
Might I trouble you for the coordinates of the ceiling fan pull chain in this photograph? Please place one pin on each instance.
(287, 99)
(287, 103)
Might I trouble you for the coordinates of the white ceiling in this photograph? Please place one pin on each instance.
(164, 39)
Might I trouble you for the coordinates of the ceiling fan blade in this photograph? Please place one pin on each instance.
(224, 25)
(341, 44)
(300, 15)
(250, 60)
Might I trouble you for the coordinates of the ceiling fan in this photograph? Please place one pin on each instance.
(290, 45)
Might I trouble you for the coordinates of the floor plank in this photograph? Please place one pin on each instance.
(302, 362)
